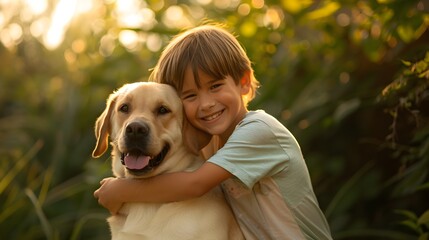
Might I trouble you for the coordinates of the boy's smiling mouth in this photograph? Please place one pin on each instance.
(213, 116)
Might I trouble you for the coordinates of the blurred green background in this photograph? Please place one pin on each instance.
(349, 78)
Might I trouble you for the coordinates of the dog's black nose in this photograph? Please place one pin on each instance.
(136, 130)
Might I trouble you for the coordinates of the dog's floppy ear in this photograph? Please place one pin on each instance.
(103, 128)
(194, 138)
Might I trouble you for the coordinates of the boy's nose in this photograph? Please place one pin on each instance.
(207, 102)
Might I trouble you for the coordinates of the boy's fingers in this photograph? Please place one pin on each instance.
(96, 193)
(105, 180)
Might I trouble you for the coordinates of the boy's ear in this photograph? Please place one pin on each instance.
(245, 83)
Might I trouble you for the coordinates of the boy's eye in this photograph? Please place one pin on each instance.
(124, 108)
(189, 96)
(216, 85)
(163, 110)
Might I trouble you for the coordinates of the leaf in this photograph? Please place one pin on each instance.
(46, 226)
(424, 218)
(424, 74)
(19, 165)
(406, 213)
(412, 225)
(406, 63)
(421, 66)
(406, 33)
(346, 108)
(295, 6)
(325, 11)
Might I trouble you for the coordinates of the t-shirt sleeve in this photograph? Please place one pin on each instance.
(251, 153)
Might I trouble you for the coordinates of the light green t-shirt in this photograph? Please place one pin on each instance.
(271, 194)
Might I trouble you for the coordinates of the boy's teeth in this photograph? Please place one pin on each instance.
(211, 117)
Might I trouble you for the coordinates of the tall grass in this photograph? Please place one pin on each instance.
(33, 206)
(47, 176)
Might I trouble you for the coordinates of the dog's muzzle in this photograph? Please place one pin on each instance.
(138, 163)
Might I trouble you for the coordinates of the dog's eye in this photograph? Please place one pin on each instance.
(163, 110)
(124, 108)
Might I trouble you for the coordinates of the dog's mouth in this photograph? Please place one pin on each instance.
(137, 162)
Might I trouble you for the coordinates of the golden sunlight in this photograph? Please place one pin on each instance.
(61, 17)
(174, 17)
(35, 7)
(48, 27)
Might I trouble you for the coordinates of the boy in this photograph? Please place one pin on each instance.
(256, 160)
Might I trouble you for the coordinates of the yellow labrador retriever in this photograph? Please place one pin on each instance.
(145, 123)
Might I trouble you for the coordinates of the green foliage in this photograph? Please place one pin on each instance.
(418, 224)
(349, 79)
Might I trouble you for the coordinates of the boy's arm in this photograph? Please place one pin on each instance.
(168, 187)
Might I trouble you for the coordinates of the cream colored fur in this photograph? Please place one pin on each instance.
(207, 217)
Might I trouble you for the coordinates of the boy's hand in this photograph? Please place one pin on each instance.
(108, 194)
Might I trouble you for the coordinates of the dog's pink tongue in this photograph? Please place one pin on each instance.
(136, 162)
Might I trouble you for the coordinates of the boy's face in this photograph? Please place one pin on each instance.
(215, 107)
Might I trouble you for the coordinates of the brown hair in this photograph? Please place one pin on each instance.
(208, 48)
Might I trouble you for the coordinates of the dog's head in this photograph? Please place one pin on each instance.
(145, 124)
